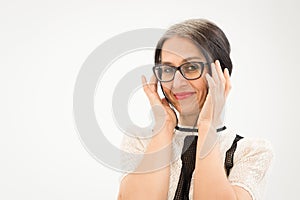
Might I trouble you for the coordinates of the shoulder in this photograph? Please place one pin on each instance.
(255, 149)
(252, 160)
(135, 142)
(247, 146)
(132, 148)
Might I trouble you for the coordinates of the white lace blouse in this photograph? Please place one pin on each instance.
(251, 161)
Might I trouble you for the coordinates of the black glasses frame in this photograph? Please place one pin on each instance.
(179, 68)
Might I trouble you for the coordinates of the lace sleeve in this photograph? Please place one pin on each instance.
(133, 149)
(251, 163)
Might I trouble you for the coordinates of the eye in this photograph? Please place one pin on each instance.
(168, 69)
(191, 68)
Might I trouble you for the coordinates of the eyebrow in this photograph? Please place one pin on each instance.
(184, 60)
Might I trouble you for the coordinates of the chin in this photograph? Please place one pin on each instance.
(187, 107)
(192, 110)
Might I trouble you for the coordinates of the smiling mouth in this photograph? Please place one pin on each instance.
(183, 95)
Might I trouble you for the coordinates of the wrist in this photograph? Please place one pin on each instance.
(164, 132)
(203, 125)
(165, 126)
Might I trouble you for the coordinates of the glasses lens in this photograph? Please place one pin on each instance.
(164, 72)
(192, 70)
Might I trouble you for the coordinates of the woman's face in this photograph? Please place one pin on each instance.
(188, 96)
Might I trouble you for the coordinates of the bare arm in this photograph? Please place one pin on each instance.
(210, 178)
(155, 184)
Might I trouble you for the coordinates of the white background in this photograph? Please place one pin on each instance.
(43, 45)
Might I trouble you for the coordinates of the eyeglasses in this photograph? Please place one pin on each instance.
(189, 70)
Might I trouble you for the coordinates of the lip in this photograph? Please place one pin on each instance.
(183, 95)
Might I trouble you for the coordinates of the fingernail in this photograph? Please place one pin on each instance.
(227, 71)
(218, 63)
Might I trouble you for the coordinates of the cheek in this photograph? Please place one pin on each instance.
(171, 97)
(200, 87)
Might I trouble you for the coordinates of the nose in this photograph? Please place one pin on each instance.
(179, 80)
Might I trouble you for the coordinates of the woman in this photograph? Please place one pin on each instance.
(193, 66)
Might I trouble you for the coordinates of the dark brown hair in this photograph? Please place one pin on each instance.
(206, 35)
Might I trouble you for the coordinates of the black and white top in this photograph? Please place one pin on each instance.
(251, 161)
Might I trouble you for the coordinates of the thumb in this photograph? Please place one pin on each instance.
(207, 110)
(165, 102)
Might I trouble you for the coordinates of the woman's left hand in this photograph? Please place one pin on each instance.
(213, 110)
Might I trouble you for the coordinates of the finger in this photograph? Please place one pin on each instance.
(207, 111)
(153, 79)
(153, 82)
(144, 81)
(165, 102)
(219, 71)
(146, 86)
(169, 110)
(211, 82)
(214, 73)
(153, 97)
(228, 82)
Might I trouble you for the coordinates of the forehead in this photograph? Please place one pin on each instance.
(177, 48)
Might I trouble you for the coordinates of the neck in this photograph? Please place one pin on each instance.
(189, 120)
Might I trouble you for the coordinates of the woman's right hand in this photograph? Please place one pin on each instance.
(164, 116)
